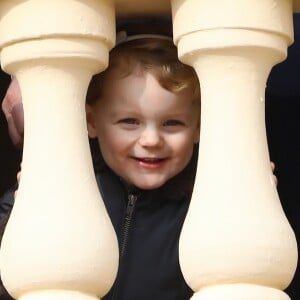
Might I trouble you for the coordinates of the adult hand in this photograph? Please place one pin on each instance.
(273, 170)
(13, 111)
(18, 179)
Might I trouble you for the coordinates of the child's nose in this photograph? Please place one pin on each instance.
(150, 137)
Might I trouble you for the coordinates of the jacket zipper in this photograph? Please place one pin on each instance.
(127, 221)
(125, 232)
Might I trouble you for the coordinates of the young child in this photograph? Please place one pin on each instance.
(143, 112)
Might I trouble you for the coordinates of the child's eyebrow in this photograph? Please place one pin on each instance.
(122, 111)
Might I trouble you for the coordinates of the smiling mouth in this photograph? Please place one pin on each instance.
(149, 160)
(150, 163)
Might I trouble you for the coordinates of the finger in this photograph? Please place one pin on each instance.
(18, 179)
(272, 166)
(19, 176)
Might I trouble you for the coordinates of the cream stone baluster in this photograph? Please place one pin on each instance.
(236, 242)
(59, 242)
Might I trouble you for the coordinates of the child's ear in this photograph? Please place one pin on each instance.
(90, 119)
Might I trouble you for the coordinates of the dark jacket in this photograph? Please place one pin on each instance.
(148, 228)
(148, 225)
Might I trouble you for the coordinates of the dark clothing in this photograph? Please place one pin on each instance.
(148, 225)
(148, 228)
(6, 203)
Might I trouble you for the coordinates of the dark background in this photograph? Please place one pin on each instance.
(283, 132)
(282, 122)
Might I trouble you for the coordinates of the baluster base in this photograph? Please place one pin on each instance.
(240, 292)
(57, 295)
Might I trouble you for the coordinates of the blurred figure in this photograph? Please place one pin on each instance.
(13, 110)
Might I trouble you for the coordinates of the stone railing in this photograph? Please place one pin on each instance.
(236, 242)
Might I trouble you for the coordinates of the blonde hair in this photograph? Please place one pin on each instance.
(156, 56)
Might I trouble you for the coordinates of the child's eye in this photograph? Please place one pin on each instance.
(173, 123)
(130, 121)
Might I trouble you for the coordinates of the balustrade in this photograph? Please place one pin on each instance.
(59, 242)
(243, 247)
(236, 242)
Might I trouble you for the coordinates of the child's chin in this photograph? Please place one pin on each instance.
(149, 185)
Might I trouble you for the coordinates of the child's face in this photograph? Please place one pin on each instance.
(146, 134)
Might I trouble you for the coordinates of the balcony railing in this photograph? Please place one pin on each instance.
(233, 46)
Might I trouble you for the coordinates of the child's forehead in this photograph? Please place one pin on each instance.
(123, 69)
(118, 73)
(140, 85)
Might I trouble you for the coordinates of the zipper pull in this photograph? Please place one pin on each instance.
(127, 220)
(130, 205)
